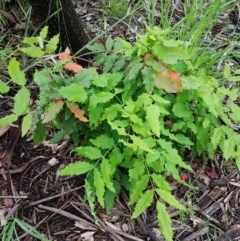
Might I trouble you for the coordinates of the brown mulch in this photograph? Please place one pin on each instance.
(30, 185)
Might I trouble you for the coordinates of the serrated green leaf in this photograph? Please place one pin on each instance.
(109, 43)
(143, 203)
(138, 188)
(228, 148)
(217, 137)
(148, 79)
(107, 174)
(103, 142)
(139, 143)
(3, 87)
(7, 120)
(104, 97)
(21, 101)
(17, 76)
(39, 133)
(96, 47)
(152, 117)
(52, 44)
(161, 182)
(99, 185)
(134, 70)
(76, 169)
(164, 222)
(26, 123)
(170, 199)
(52, 110)
(74, 93)
(111, 112)
(34, 52)
(88, 151)
(44, 32)
(182, 110)
(30, 40)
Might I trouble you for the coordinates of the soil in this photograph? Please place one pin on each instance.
(31, 188)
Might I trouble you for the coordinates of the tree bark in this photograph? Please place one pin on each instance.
(60, 16)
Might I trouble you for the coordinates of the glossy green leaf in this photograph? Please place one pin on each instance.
(89, 152)
(34, 52)
(143, 203)
(107, 174)
(164, 221)
(21, 101)
(73, 93)
(52, 44)
(52, 111)
(17, 76)
(7, 120)
(3, 87)
(138, 188)
(76, 168)
(26, 123)
(100, 186)
(170, 199)
(103, 142)
(153, 114)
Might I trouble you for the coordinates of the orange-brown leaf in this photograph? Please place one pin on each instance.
(73, 67)
(78, 113)
(66, 55)
(169, 81)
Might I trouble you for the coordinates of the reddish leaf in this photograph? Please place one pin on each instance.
(59, 101)
(73, 67)
(66, 55)
(170, 81)
(78, 113)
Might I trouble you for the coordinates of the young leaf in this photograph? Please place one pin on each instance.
(99, 185)
(161, 182)
(7, 120)
(77, 168)
(109, 43)
(107, 174)
(30, 40)
(152, 117)
(73, 93)
(17, 76)
(3, 87)
(52, 44)
(143, 203)
(78, 113)
(21, 101)
(34, 52)
(164, 222)
(44, 32)
(103, 142)
(170, 199)
(39, 133)
(26, 123)
(52, 110)
(88, 151)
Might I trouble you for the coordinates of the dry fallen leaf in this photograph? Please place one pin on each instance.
(78, 113)
(88, 236)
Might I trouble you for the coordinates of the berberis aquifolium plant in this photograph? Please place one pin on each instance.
(133, 116)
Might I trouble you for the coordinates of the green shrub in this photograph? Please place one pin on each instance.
(132, 116)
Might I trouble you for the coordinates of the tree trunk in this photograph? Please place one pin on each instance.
(60, 17)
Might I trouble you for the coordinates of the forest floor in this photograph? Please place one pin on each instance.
(55, 206)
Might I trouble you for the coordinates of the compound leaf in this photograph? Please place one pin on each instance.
(143, 203)
(77, 168)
